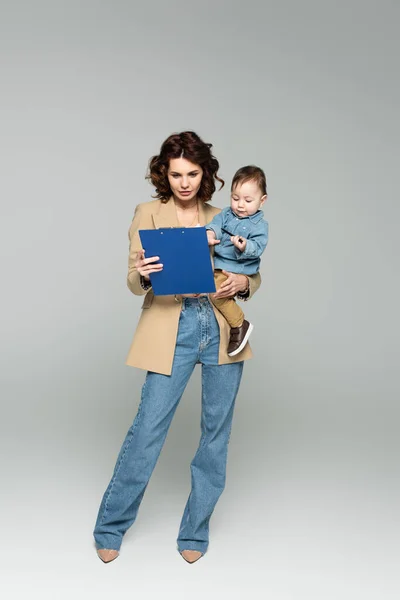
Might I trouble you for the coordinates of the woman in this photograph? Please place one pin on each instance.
(175, 333)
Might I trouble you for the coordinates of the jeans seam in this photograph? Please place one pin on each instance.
(203, 433)
(118, 466)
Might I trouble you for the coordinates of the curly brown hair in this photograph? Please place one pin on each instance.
(190, 146)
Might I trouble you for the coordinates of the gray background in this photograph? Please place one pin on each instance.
(308, 90)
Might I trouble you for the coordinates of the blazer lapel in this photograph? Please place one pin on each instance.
(165, 215)
(206, 213)
(202, 214)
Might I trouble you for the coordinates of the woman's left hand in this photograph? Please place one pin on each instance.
(232, 285)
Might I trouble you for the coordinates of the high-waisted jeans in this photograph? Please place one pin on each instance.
(197, 342)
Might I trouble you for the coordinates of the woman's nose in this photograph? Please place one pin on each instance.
(185, 182)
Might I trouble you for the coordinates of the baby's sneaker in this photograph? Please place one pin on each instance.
(238, 338)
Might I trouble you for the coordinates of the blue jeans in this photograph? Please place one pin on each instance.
(197, 342)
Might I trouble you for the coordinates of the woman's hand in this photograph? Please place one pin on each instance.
(232, 285)
(145, 266)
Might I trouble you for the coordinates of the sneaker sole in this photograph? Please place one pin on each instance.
(244, 342)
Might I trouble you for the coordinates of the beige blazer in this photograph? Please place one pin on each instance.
(153, 344)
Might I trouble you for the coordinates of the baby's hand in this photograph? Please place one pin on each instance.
(239, 242)
(211, 238)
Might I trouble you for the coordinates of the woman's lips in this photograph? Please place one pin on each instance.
(185, 193)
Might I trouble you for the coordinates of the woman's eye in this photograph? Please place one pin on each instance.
(175, 176)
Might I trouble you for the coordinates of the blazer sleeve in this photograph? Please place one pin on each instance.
(140, 221)
(254, 284)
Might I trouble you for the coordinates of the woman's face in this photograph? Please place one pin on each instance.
(184, 178)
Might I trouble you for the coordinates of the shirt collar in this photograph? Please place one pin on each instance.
(253, 218)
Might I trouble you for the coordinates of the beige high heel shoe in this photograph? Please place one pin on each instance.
(191, 556)
(107, 555)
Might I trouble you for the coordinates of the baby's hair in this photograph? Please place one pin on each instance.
(250, 173)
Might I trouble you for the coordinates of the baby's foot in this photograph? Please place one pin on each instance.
(238, 338)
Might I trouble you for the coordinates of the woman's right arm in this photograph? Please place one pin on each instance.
(254, 284)
(139, 268)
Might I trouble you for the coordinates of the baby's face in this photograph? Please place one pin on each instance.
(247, 199)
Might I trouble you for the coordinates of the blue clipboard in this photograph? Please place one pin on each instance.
(185, 254)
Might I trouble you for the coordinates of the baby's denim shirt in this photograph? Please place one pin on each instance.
(253, 228)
